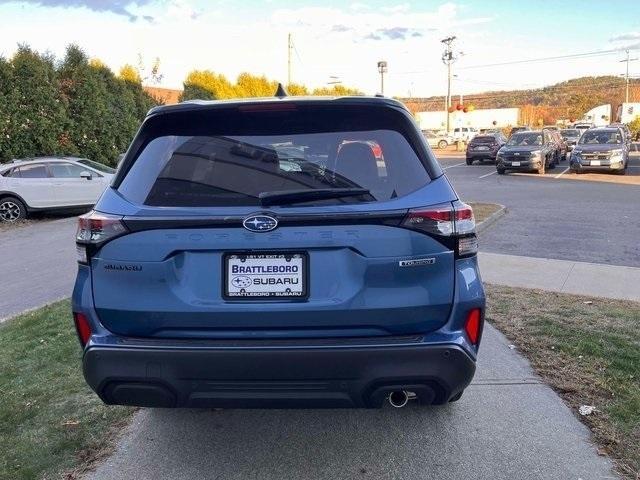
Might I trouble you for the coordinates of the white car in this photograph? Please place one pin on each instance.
(50, 184)
(465, 134)
(437, 139)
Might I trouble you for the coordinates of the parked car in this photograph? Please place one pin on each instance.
(464, 134)
(522, 128)
(439, 140)
(583, 126)
(209, 276)
(571, 137)
(485, 147)
(625, 129)
(601, 149)
(50, 184)
(562, 148)
(530, 150)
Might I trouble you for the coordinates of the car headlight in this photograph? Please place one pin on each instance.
(616, 153)
(536, 153)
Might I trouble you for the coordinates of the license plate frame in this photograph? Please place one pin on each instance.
(275, 257)
(595, 163)
(515, 164)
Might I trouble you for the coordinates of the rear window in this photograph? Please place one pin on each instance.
(484, 139)
(247, 156)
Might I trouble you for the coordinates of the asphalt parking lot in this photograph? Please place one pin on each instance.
(590, 217)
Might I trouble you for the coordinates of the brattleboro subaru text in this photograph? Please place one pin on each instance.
(279, 252)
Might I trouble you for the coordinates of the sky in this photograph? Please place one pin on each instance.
(342, 40)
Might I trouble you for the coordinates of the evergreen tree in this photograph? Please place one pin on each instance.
(33, 112)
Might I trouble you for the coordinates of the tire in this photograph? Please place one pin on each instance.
(500, 171)
(442, 144)
(12, 210)
(469, 161)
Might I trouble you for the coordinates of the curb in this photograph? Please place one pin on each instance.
(491, 219)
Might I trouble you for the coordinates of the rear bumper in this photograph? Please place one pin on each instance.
(283, 377)
(482, 155)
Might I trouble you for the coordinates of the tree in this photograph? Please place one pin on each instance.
(634, 126)
(336, 91)
(33, 111)
(129, 73)
(195, 92)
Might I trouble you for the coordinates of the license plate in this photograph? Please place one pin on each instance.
(483, 148)
(515, 164)
(595, 163)
(267, 275)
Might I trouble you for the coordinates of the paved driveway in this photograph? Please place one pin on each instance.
(506, 426)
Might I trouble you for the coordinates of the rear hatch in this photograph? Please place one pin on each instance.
(278, 221)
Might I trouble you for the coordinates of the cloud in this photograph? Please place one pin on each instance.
(393, 33)
(340, 28)
(119, 7)
(625, 37)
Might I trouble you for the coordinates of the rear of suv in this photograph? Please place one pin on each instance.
(283, 252)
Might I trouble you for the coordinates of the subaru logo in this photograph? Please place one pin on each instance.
(260, 223)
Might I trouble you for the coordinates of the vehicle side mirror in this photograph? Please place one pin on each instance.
(86, 175)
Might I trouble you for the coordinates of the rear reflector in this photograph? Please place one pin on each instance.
(472, 326)
(82, 327)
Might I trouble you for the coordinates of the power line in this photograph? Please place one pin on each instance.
(548, 59)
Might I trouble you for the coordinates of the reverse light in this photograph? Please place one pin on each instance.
(83, 328)
(472, 326)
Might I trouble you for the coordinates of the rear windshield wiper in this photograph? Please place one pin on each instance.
(294, 196)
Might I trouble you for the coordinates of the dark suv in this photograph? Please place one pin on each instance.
(485, 147)
(529, 150)
(279, 252)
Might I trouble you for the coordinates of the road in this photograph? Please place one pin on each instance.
(508, 425)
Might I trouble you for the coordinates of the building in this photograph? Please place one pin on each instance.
(482, 118)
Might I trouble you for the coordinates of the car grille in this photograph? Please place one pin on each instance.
(510, 157)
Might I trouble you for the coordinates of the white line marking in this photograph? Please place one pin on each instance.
(492, 173)
(562, 173)
(456, 165)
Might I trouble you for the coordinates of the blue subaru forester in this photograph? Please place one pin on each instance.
(281, 252)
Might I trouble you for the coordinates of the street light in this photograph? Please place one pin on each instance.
(382, 69)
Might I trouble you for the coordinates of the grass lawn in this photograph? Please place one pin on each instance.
(588, 350)
(50, 421)
(482, 211)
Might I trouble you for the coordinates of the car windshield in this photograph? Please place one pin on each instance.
(235, 170)
(570, 133)
(98, 166)
(601, 137)
(525, 139)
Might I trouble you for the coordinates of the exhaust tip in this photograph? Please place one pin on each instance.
(398, 398)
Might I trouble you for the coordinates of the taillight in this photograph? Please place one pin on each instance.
(82, 327)
(450, 220)
(473, 325)
(95, 228)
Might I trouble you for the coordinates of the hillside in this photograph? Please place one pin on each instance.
(570, 99)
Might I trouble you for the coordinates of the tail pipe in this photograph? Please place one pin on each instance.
(398, 398)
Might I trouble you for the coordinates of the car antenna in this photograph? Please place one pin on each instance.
(281, 92)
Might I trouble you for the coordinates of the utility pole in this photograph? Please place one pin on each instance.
(626, 95)
(289, 49)
(448, 59)
(382, 69)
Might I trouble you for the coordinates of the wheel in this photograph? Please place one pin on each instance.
(442, 144)
(12, 210)
(469, 161)
(500, 171)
